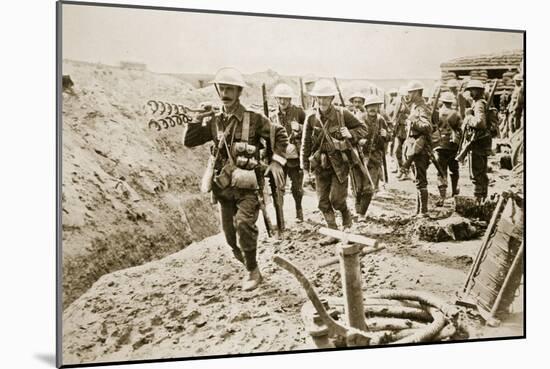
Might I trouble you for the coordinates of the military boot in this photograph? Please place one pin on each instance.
(347, 220)
(442, 196)
(330, 218)
(454, 186)
(299, 211)
(252, 279)
(423, 195)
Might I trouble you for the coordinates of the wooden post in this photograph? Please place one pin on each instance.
(351, 285)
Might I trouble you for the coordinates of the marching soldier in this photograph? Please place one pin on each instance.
(291, 117)
(446, 145)
(400, 131)
(418, 143)
(329, 133)
(373, 151)
(515, 107)
(476, 120)
(237, 175)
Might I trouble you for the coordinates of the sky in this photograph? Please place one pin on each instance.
(180, 42)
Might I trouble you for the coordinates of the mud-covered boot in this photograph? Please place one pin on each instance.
(347, 220)
(442, 195)
(330, 218)
(252, 279)
(299, 211)
(424, 203)
(455, 191)
(299, 215)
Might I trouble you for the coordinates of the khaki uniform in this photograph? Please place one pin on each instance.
(481, 148)
(239, 206)
(515, 109)
(292, 167)
(373, 152)
(445, 141)
(331, 161)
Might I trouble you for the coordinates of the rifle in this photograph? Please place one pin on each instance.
(276, 193)
(434, 117)
(356, 157)
(339, 92)
(473, 135)
(302, 98)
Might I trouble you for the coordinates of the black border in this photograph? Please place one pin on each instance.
(59, 110)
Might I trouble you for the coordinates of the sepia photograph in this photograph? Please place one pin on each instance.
(236, 183)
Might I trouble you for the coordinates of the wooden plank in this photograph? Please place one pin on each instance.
(348, 237)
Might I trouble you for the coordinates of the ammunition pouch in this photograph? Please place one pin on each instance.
(315, 160)
(244, 179)
(224, 178)
(340, 145)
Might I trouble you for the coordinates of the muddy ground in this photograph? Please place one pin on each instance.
(190, 303)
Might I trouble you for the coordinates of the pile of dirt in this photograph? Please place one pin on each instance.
(129, 195)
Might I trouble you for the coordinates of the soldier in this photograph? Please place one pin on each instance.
(329, 133)
(308, 81)
(417, 144)
(357, 101)
(515, 107)
(291, 117)
(400, 132)
(476, 120)
(236, 133)
(446, 145)
(373, 151)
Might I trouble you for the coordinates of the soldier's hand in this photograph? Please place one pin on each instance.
(276, 169)
(362, 142)
(201, 116)
(344, 131)
(383, 132)
(295, 125)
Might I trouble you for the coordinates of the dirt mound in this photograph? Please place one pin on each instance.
(130, 195)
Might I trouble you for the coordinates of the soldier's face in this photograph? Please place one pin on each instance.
(229, 94)
(414, 94)
(284, 102)
(476, 93)
(358, 103)
(372, 110)
(324, 102)
(309, 86)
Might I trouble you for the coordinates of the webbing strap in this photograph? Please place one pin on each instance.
(246, 127)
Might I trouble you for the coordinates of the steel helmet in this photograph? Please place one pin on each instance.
(356, 95)
(229, 76)
(415, 86)
(452, 83)
(518, 77)
(324, 87)
(309, 78)
(447, 97)
(475, 83)
(283, 90)
(374, 100)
